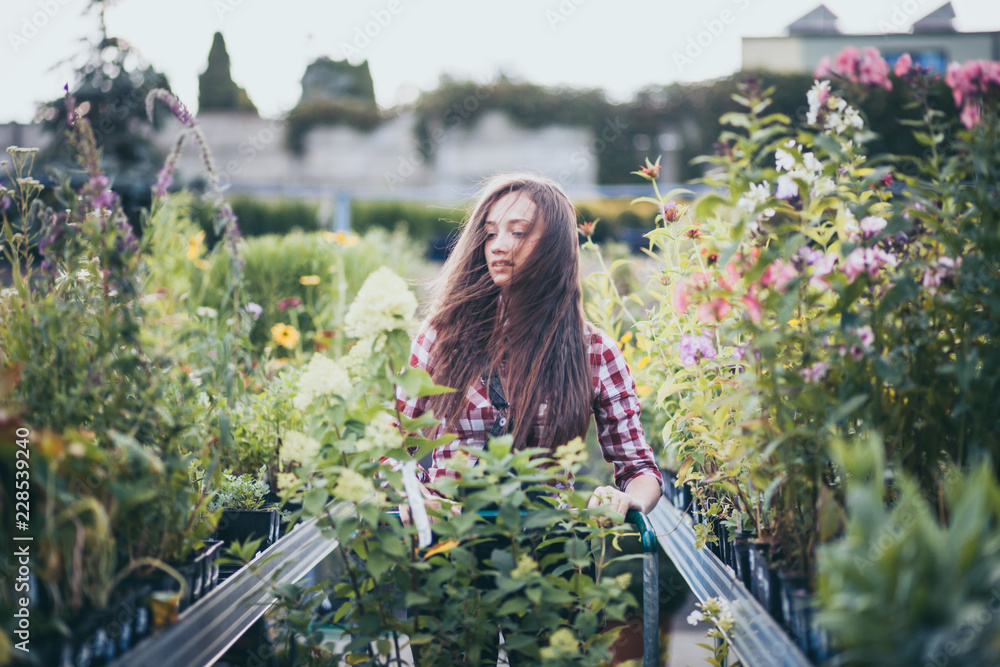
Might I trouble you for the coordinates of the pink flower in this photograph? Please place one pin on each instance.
(752, 304)
(679, 297)
(777, 273)
(956, 80)
(943, 268)
(873, 70)
(714, 310)
(846, 63)
(728, 280)
(866, 336)
(670, 211)
(823, 69)
(970, 113)
(872, 225)
(815, 373)
(902, 66)
(855, 264)
(822, 268)
(290, 302)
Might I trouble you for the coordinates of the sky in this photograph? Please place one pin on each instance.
(620, 46)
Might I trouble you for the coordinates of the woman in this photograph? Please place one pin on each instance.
(509, 305)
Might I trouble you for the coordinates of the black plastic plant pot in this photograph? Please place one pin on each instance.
(722, 532)
(208, 560)
(820, 649)
(796, 608)
(741, 559)
(191, 571)
(687, 497)
(243, 525)
(765, 579)
(78, 650)
(669, 490)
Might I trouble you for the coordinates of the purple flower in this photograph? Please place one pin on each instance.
(866, 335)
(254, 309)
(810, 255)
(815, 373)
(694, 348)
(290, 302)
(104, 199)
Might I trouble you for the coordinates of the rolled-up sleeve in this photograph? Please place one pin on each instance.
(616, 414)
(420, 357)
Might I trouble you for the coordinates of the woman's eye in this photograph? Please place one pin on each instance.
(490, 236)
(518, 235)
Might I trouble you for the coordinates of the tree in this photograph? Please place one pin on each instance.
(327, 80)
(216, 89)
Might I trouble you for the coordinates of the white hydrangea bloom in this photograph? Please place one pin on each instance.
(322, 377)
(356, 359)
(384, 303)
(353, 487)
(383, 433)
(297, 447)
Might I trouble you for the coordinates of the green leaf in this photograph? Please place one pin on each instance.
(314, 501)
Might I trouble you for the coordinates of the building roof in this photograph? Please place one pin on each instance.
(939, 20)
(820, 21)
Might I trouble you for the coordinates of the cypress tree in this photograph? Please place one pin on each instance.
(216, 89)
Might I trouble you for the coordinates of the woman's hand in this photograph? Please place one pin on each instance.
(617, 501)
(431, 501)
(641, 493)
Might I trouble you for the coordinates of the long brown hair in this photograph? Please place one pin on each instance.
(541, 340)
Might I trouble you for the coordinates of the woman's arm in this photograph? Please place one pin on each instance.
(620, 434)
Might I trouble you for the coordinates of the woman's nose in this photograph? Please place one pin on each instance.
(503, 242)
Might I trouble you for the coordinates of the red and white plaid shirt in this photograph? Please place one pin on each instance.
(616, 410)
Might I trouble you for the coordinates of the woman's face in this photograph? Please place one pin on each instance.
(511, 234)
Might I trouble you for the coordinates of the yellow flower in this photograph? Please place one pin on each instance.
(286, 480)
(794, 322)
(572, 454)
(309, 280)
(285, 335)
(526, 566)
(196, 246)
(562, 643)
(340, 238)
(643, 362)
(626, 337)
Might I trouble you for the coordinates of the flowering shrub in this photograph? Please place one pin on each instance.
(821, 293)
(115, 421)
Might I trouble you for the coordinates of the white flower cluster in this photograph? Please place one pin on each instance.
(322, 377)
(834, 111)
(353, 487)
(751, 200)
(809, 170)
(297, 447)
(381, 433)
(384, 303)
(356, 360)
